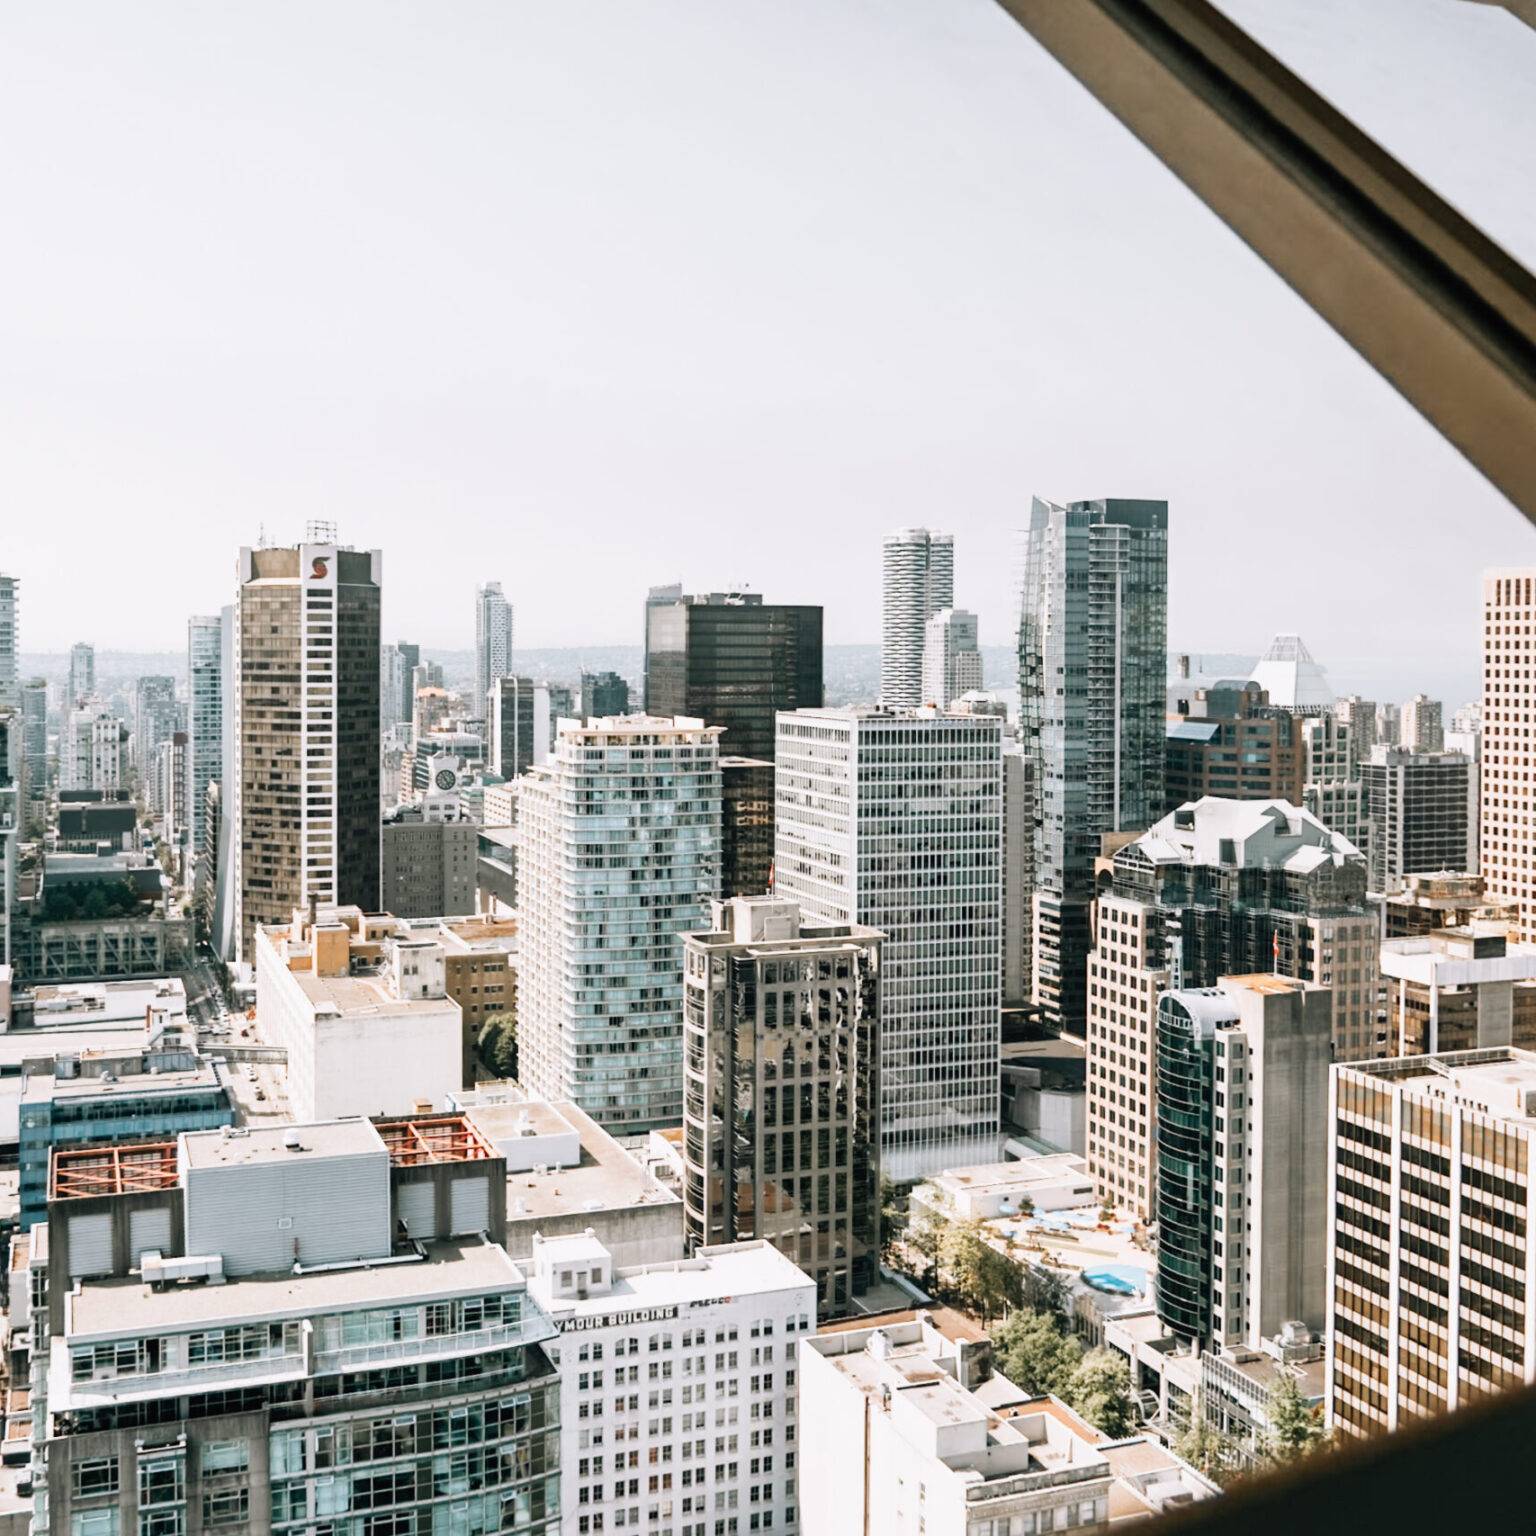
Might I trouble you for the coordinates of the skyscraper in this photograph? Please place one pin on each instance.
(603, 693)
(82, 674)
(205, 718)
(732, 660)
(618, 855)
(1331, 787)
(1508, 851)
(306, 705)
(1093, 642)
(1218, 888)
(34, 753)
(1421, 725)
(11, 792)
(893, 819)
(410, 659)
(10, 642)
(509, 726)
(155, 719)
(918, 579)
(1421, 808)
(493, 643)
(92, 754)
(771, 1000)
(394, 688)
(951, 657)
(1360, 716)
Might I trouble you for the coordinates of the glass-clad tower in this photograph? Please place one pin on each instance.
(1093, 642)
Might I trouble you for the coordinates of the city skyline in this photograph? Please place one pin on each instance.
(885, 412)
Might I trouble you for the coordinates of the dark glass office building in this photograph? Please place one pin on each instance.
(730, 659)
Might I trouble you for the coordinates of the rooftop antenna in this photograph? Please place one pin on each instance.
(320, 530)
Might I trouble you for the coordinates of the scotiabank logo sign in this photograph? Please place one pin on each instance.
(320, 568)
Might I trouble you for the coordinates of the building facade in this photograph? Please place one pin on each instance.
(1459, 989)
(677, 1387)
(1508, 847)
(155, 716)
(93, 752)
(493, 642)
(618, 856)
(82, 675)
(1093, 643)
(732, 660)
(1422, 811)
(36, 775)
(1220, 888)
(205, 717)
(917, 580)
(893, 819)
(1422, 727)
(306, 725)
(781, 1090)
(603, 694)
(746, 826)
(428, 864)
(1428, 1252)
(1242, 1139)
(1232, 743)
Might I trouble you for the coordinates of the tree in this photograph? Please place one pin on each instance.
(1035, 1352)
(893, 1217)
(922, 1237)
(1207, 1449)
(981, 1278)
(498, 1044)
(1295, 1430)
(1100, 1390)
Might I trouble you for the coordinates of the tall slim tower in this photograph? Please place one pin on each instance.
(1509, 742)
(1093, 643)
(34, 753)
(10, 642)
(205, 719)
(918, 580)
(951, 657)
(82, 674)
(306, 785)
(493, 642)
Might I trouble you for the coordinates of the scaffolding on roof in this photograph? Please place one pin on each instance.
(433, 1139)
(81, 1172)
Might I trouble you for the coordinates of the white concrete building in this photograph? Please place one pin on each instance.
(893, 819)
(951, 657)
(363, 1015)
(618, 856)
(918, 580)
(678, 1390)
(1459, 989)
(1057, 1181)
(893, 1443)
(91, 756)
(1507, 831)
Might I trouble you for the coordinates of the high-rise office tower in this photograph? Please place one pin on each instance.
(1242, 1142)
(306, 705)
(510, 726)
(770, 1000)
(394, 688)
(1428, 1252)
(618, 855)
(893, 819)
(205, 718)
(155, 719)
(410, 659)
(1389, 725)
(1018, 875)
(1219, 888)
(746, 826)
(918, 579)
(732, 660)
(1291, 677)
(1507, 832)
(82, 675)
(603, 693)
(1422, 726)
(1360, 716)
(493, 643)
(223, 841)
(1093, 643)
(34, 753)
(1421, 808)
(92, 754)
(10, 642)
(11, 816)
(951, 657)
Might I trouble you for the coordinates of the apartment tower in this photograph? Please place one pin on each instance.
(493, 643)
(205, 718)
(951, 657)
(918, 580)
(1508, 851)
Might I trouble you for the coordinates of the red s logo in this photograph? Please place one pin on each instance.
(319, 568)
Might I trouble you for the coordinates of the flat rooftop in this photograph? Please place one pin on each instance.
(44, 1087)
(127, 1307)
(1499, 1081)
(365, 997)
(607, 1176)
(713, 1274)
(1266, 982)
(260, 1144)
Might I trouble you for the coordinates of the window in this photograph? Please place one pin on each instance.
(94, 1522)
(161, 1480)
(226, 1456)
(94, 1478)
(229, 1507)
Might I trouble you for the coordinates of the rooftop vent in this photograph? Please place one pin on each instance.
(292, 1142)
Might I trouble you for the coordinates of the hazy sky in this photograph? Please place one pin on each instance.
(589, 294)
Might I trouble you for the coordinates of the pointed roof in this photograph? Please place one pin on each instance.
(1293, 680)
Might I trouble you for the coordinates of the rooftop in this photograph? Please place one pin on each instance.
(1245, 833)
(1293, 680)
(365, 997)
(41, 1087)
(125, 1307)
(231, 1148)
(1500, 1081)
(79, 1172)
(433, 1139)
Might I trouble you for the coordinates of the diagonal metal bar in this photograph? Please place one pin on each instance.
(1445, 315)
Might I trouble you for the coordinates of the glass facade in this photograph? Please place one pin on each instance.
(1185, 1095)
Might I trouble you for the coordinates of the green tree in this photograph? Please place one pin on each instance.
(893, 1217)
(1295, 1430)
(1208, 1449)
(498, 1044)
(981, 1278)
(922, 1237)
(1100, 1390)
(1035, 1352)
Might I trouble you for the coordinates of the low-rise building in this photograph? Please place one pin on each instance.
(1459, 989)
(1448, 899)
(1050, 1183)
(678, 1390)
(362, 1011)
